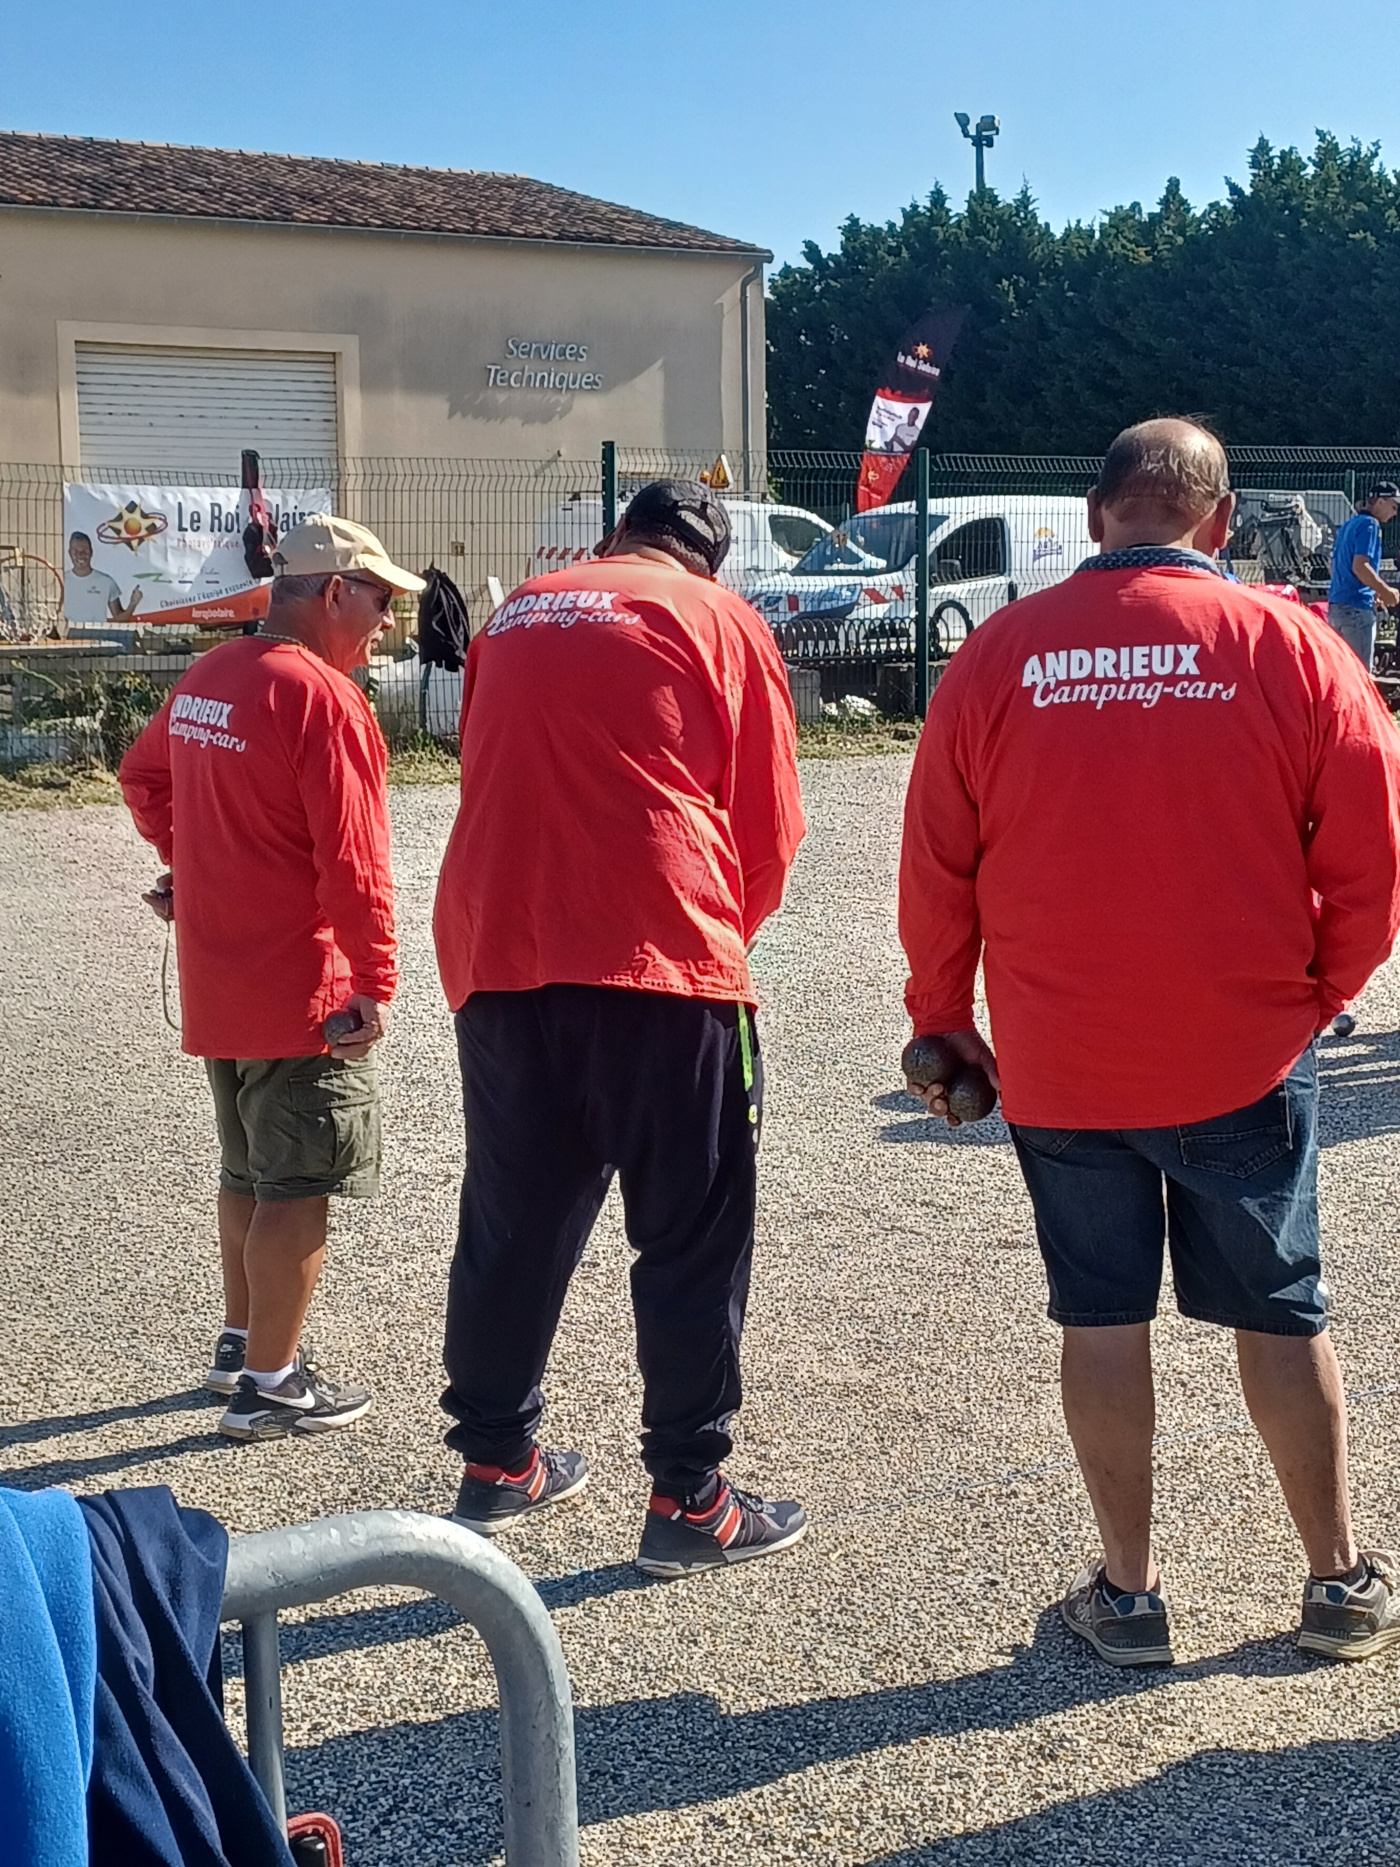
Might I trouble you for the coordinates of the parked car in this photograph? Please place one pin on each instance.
(853, 593)
(766, 538)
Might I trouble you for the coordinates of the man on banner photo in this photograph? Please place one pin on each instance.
(894, 426)
(92, 597)
(903, 403)
(183, 551)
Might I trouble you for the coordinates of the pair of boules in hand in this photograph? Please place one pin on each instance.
(933, 1062)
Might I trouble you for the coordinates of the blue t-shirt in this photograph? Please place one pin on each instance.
(1360, 537)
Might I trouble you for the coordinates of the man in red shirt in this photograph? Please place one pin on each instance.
(629, 813)
(261, 781)
(1162, 808)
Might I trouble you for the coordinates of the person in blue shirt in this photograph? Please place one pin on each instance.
(1357, 585)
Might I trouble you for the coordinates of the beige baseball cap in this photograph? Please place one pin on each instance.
(322, 545)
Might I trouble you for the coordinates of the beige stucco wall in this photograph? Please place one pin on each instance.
(426, 317)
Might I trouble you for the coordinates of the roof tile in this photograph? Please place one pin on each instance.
(89, 174)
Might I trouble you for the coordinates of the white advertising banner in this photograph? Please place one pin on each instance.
(166, 554)
(893, 425)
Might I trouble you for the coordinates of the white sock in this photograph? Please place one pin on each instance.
(229, 1329)
(274, 1378)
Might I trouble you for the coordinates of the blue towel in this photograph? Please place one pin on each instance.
(170, 1788)
(48, 1670)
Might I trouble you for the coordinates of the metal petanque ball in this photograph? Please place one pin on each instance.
(930, 1060)
(1343, 1024)
(970, 1094)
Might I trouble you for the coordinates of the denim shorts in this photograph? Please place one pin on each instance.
(1234, 1198)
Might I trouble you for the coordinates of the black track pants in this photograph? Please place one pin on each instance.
(562, 1087)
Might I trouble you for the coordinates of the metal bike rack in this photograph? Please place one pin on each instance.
(277, 1569)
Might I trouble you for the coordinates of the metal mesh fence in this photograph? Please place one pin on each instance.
(473, 518)
(838, 588)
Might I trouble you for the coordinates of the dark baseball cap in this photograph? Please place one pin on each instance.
(1385, 489)
(685, 510)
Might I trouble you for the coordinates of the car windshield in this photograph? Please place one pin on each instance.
(871, 543)
(792, 533)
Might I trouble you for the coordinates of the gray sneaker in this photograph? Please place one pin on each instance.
(227, 1364)
(1125, 1630)
(1353, 1621)
(305, 1402)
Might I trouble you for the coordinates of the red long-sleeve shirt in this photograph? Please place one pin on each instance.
(261, 781)
(630, 805)
(1163, 808)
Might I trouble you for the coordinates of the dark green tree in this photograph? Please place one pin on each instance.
(1274, 312)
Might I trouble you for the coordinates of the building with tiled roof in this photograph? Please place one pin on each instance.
(164, 306)
(84, 174)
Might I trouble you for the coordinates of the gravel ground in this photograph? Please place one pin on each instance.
(893, 1692)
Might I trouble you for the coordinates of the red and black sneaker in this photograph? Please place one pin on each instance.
(735, 1527)
(490, 1497)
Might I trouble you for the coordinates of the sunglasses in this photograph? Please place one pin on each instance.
(383, 595)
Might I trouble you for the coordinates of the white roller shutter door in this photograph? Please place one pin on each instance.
(149, 406)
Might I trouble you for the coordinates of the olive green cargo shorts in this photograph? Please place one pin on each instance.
(297, 1127)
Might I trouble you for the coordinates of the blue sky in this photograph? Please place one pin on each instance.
(769, 120)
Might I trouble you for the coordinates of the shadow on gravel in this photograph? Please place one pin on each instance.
(993, 1132)
(1311, 1806)
(429, 1792)
(27, 1431)
(77, 1472)
(1360, 1080)
(358, 1630)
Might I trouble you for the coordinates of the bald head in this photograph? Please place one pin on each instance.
(1162, 482)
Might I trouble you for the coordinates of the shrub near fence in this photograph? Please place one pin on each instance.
(501, 520)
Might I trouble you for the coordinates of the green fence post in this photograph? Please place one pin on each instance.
(921, 669)
(609, 486)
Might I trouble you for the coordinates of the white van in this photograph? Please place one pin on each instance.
(766, 538)
(853, 592)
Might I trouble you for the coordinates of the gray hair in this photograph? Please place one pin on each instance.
(1173, 464)
(298, 589)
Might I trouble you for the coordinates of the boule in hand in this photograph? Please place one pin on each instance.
(929, 1060)
(340, 1027)
(970, 1094)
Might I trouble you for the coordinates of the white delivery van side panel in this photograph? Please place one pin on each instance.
(1049, 543)
(568, 532)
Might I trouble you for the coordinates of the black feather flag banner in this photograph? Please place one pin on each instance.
(902, 402)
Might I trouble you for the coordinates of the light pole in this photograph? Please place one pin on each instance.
(981, 135)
